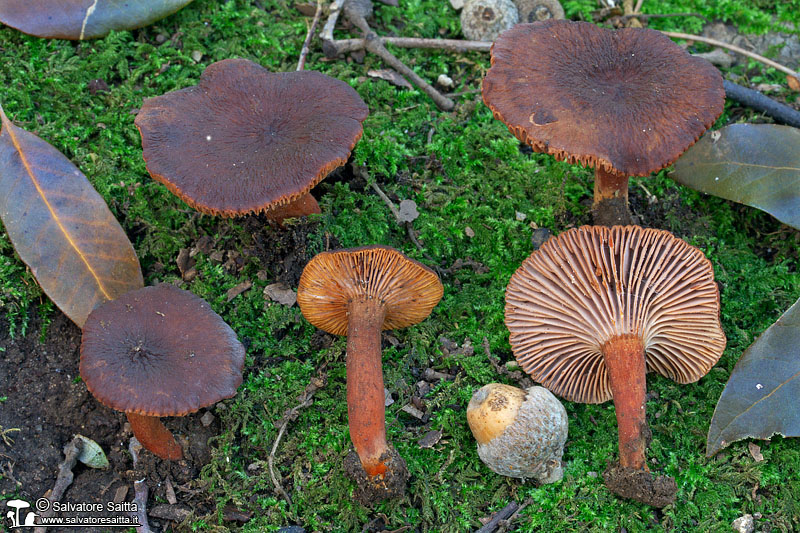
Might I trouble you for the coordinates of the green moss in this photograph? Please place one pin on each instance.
(470, 182)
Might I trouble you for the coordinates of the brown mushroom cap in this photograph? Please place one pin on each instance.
(331, 280)
(630, 101)
(593, 283)
(245, 139)
(159, 351)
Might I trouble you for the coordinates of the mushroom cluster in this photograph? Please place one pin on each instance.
(359, 293)
(596, 308)
(627, 102)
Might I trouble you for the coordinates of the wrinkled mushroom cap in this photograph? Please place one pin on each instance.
(159, 351)
(630, 101)
(331, 280)
(246, 140)
(594, 283)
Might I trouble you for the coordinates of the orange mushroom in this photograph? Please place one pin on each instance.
(627, 102)
(596, 308)
(159, 351)
(247, 140)
(359, 292)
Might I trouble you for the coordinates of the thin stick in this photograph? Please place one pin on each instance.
(638, 8)
(781, 113)
(453, 45)
(733, 48)
(408, 225)
(71, 452)
(647, 16)
(140, 499)
(498, 517)
(305, 400)
(301, 63)
(374, 44)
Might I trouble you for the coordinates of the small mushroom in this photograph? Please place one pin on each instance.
(159, 351)
(626, 102)
(360, 292)
(596, 308)
(520, 433)
(247, 140)
(484, 20)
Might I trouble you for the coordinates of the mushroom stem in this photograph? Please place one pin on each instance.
(303, 206)
(365, 396)
(610, 206)
(624, 358)
(153, 435)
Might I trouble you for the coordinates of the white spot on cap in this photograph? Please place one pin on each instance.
(208, 137)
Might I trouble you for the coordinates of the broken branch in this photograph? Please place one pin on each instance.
(301, 63)
(732, 48)
(451, 45)
(374, 44)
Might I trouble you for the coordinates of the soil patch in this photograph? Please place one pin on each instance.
(47, 403)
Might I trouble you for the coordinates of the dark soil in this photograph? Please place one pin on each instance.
(373, 490)
(642, 486)
(48, 404)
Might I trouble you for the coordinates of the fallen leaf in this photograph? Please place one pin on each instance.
(469, 232)
(281, 293)
(760, 398)
(61, 227)
(83, 19)
(392, 76)
(233, 292)
(753, 164)
(387, 397)
(174, 513)
(413, 411)
(307, 9)
(793, 83)
(408, 211)
(755, 451)
(430, 439)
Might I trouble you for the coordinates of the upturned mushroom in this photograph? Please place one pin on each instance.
(596, 308)
(359, 292)
(627, 102)
(159, 351)
(247, 140)
(520, 433)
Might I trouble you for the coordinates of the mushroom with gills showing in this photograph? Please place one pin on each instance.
(627, 102)
(359, 292)
(596, 308)
(159, 351)
(247, 140)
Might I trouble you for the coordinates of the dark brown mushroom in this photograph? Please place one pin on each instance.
(596, 308)
(359, 292)
(159, 351)
(247, 140)
(626, 102)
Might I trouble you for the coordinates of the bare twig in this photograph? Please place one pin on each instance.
(647, 16)
(140, 499)
(451, 45)
(71, 452)
(638, 8)
(306, 398)
(374, 44)
(409, 227)
(498, 517)
(781, 113)
(301, 63)
(733, 48)
(333, 15)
